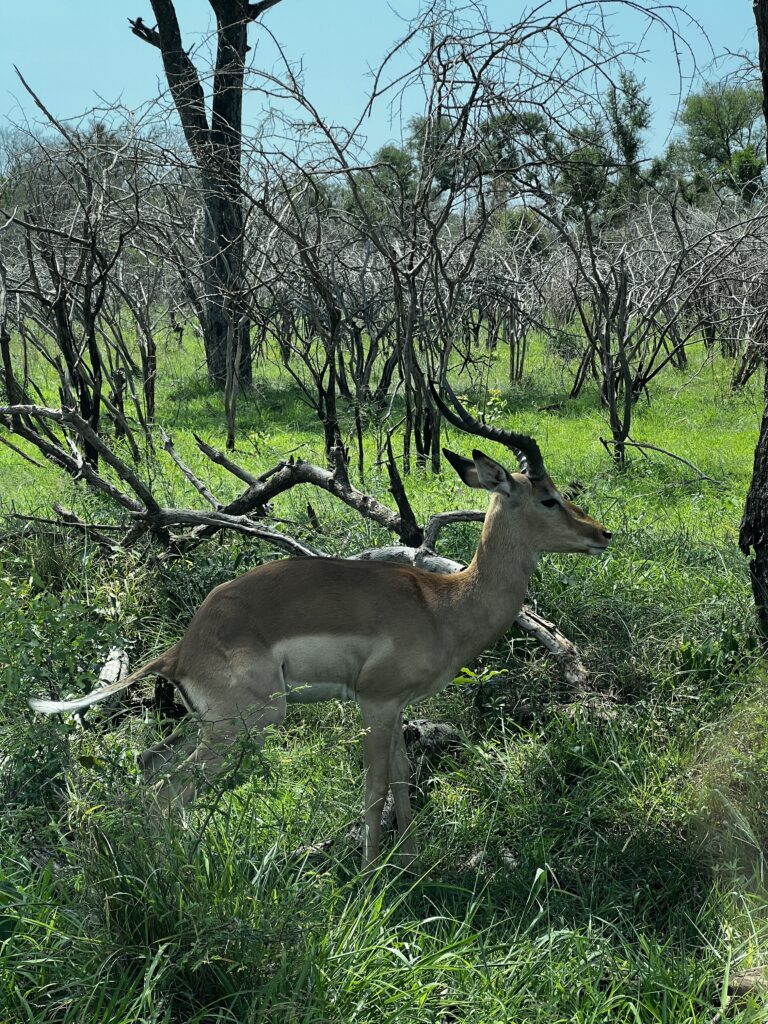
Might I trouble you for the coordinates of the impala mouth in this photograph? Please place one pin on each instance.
(596, 549)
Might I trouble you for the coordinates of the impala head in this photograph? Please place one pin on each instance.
(544, 518)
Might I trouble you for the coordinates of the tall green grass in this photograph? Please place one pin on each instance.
(575, 865)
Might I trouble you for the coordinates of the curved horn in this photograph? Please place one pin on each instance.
(526, 450)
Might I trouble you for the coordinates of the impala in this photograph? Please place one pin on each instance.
(310, 629)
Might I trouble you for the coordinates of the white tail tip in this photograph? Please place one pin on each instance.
(54, 707)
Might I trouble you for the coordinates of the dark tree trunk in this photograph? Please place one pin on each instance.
(216, 150)
(753, 535)
(223, 284)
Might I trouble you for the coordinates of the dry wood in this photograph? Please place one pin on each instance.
(644, 446)
(170, 517)
(222, 460)
(436, 523)
(198, 484)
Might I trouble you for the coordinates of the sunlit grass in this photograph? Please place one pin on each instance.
(573, 867)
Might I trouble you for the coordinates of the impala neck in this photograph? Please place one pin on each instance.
(494, 584)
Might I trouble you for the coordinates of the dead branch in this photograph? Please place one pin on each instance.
(68, 417)
(194, 480)
(421, 558)
(441, 519)
(171, 517)
(72, 461)
(410, 531)
(69, 518)
(221, 460)
(254, 11)
(549, 636)
(18, 451)
(144, 32)
(662, 451)
(289, 474)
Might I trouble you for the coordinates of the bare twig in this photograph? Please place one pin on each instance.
(290, 473)
(441, 519)
(549, 636)
(144, 32)
(170, 517)
(14, 448)
(222, 460)
(662, 451)
(69, 518)
(198, 484)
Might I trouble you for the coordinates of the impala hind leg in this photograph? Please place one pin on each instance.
(380, 721)
(222, 727)
(171, 748)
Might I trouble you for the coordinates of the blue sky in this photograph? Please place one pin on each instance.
(80, 53)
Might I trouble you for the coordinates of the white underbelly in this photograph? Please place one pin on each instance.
(317, 668)
(311, 693)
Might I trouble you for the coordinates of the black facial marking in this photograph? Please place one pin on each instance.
(550, 502)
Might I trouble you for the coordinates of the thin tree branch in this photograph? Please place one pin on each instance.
(194, 480)
(441, 519)
(170, 517)
(217, 456)
(144, 32)
(662, 451)
(254, 11)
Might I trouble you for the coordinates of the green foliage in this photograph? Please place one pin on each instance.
(600, 165)
(384, 190)
(721, 120)
(723, 143)
(585, 172)
(434, 144)
(746, 169)
(629, 115)
(508, 141)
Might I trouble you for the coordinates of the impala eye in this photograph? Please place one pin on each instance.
(550, 502)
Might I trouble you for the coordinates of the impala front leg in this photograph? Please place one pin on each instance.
(380, 723)
(399, 781)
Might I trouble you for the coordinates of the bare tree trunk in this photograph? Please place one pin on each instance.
(753, 535)
(216, 150)
(223, 283)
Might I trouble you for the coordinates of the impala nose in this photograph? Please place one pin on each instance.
(607, 535)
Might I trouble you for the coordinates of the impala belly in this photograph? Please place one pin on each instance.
(313, 693)
(317, 668)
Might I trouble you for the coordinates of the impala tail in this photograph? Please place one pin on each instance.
(162, 665)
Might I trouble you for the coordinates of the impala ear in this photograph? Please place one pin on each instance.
(464, 467)
(483, 472)
(492, 476)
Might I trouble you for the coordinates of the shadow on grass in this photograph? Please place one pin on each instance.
(270, 406)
